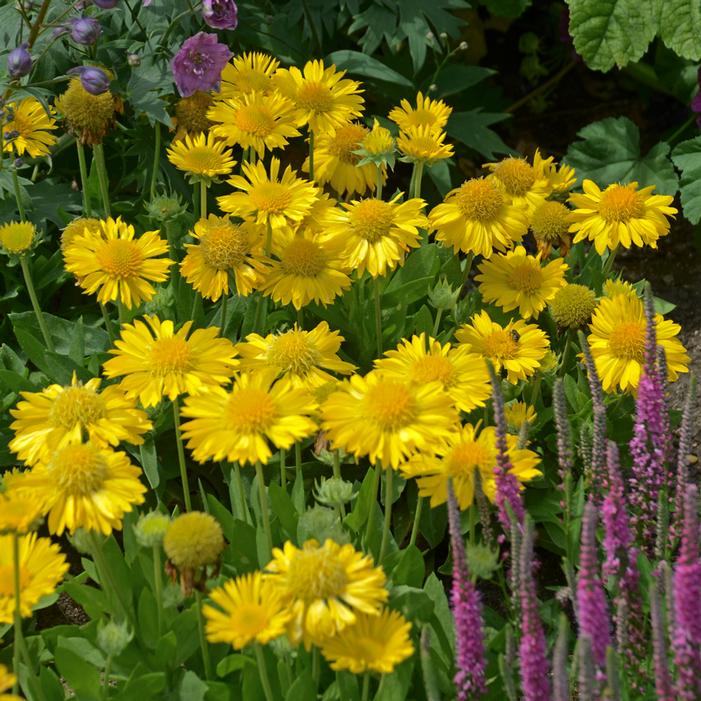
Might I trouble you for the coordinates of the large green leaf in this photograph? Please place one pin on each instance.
(687, 157)
(472, 129)
(609, 151)
(610, 33)
(357, 63)
(680, 27)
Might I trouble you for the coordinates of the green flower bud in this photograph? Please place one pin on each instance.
(81, 541)
(113, 637)
(150, 529)
(321, 523)
(443, 296)
(482, 561)
(165, 207)
(333, 492)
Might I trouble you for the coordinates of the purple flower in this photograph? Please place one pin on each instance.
(617, 535)
(85, 30)
(467, 614)
(592, 609)
(534, 668)
(220, 14)
(663, 682)
(94, 80)
(199, 63)
(19, 62)
(106, 4)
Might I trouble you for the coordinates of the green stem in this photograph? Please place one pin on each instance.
(107, 582)
(18, 195)
(156, 159)
(437, 322)
(99, 154)
(366, 687)
(35, 303)
(263, 501)
(316, 666)
(337, 474)
(108, 323)
(417, 178)
(158, 587)
(82, 165)
(388, 512)
(378, 185)
(378, 315)
(106, 680)
(263, 673)
(417, 519)
(298, 460)
(608, 265)
(181, 456)
(203, 199)
(222, 309)
(311, 155)
(245, 515)
(371, 516)
(468, 267)
(283, 475)
(206, 661)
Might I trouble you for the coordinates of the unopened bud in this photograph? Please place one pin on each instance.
(113, 638)
(85, 30)
(19, 62)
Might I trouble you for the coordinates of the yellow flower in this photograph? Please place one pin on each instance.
(60, 415)
(379, 142)
(237, 425)
(191, 114)
(7, 681)
(116, 265)
(518, 281)
(427, 113)
(224, 249)
(193, 540)
(324, 99)
(77, 227)
(621, 214)
(612, 288)
(33, 127)
(517, 414)
(270, 200)
(155, 361)
(477, 217)
(375, 643)
(617, 342)
(462, 374)
(517, 347)
(250, 610)
(326, 587)
(465, 452)
(17, 237)
(424, 145)
(309, 267)
(250, 72)
(88, 117)
(201, 156)
(572, 306)
(19, 512)
(386, 419)
(303, 357)
(550, 223)
(254, 120)
(376, 234)
(42, 566)
(336, 161)
(85, 486)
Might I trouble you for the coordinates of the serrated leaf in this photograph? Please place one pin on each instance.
(610, 33)
(472, 129)
(357, 63)
(609, 152)
(680, 27)
(687, 157)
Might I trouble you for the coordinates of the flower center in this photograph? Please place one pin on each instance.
(501, 344)
(251, 410)
(251, 618)
(516, 175)
(464, 458)
(390, 405)
(120, 258)
(271, 197)
(421, 117)
(76, 405)
(17, 236)
(252, 119)
(550, 221)
(291, 352)
(79, 469)
(314, 574)
(315, 96)
(526, 277)
(191, 112)
(620, 204)
(203, 159)
(303, 258)
(423, 146)
(7, 580)
(479, 200)
(627, 341)
(169, 355)
(346, 140)
(372, 219)
(223, 246)
(433, 368)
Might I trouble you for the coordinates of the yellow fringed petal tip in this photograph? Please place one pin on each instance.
(42, 566)
(17, 237)
(248, 609)
(374, 643)
(31, 126)
(326, 587)
(194, 540)
(424, 145)
(572, 306)
(617, 342)
(88, 117)
(201, 155)
(429, 113)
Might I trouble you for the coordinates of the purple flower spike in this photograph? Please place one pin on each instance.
(663, 682)
(19, 62)
(199, 63)
(617, 535)
(85, 31)
(467, 614)
(220, 14)
(592, 609)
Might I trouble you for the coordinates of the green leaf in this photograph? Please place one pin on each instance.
(233, 663)
(143, 686)
(412, 280)
(149, 461)
(303, 687)
(410, 567)
(192, 688)
(283, 508)
(80, 675)
(357, 63)
(456, 77)
(472, 129)
(680, 27)
(611, 32)
(609, 152)
(507, 8)
(687, 157)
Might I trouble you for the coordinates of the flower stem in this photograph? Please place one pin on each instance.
(378, 316)
(222, 309)
(298, 460)
(417, 178)
(158, 587)
(263, 673)
(371, 516)
(245, 516)
(417, 519)
(99, 154)
(106, 679)
(263, 500)
(337, 474)
(316, 666)
(108, 323)
(82, 165)
(156, 159)
(203, 199)
(35, 303)
(378, 182)
(437, 323)
(311, 155)
(366, 687)
(388, 512)
(206, 661)
(283, 475)
(181, 456)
